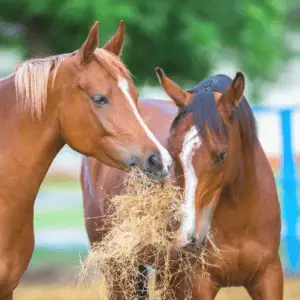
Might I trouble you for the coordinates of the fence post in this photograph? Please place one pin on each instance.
(289, 193)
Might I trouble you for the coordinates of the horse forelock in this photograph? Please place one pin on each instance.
(111, 63)
(204, 109)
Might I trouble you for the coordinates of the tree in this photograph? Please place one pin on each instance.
(186, 38)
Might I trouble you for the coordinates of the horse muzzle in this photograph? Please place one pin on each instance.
(153, 167)
(192, 244)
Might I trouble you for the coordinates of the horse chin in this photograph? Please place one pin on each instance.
(110, 161)
(194, 246)
(159, 179)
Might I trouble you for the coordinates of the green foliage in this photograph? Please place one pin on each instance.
(293, 14)
(186, 38)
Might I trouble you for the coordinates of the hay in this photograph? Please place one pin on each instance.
(144, 229)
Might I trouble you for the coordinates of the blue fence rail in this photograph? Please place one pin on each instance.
(288, 180)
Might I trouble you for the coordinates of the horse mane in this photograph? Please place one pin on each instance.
(31, 81)
(32, 76)
(204, 109)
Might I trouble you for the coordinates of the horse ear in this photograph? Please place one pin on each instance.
(91, 43)
(115, 44)
(180, 97)
(234, 94)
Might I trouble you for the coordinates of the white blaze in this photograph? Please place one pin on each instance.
(205, 220)
(166, 157)
(190, 144)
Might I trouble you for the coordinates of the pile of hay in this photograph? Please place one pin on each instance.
(143, 231)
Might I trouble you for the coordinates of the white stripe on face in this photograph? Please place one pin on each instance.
(187, 230)
(190, 144)
(166, 157)
(205, 221)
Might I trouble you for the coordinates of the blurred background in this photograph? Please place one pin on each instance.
(190, 39)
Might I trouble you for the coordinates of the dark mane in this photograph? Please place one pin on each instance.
(204, 109)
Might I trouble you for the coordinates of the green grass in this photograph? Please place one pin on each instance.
(59, 183)
(55, 219)
(46, 258)
(59, 217)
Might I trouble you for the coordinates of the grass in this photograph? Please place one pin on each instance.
(96, 292)
(44, 258)
(61, 183)
(71, 217)
(60, 216)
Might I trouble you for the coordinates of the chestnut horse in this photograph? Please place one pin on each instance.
(228, 183)
(86, 99)
(229, 188)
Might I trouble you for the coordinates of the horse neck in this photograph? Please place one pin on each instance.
(244, 185)
(27, 146)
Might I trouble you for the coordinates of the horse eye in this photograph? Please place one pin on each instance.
(220, 157)
(99, 100)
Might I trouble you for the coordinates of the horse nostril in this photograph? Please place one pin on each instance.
(155, 163)
(132, 162)
(154, 166)
(154, 160)
(193, 240)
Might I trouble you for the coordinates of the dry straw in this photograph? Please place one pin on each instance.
(144, 229)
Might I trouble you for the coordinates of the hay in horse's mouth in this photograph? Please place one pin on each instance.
(151, 176)
(143, 233)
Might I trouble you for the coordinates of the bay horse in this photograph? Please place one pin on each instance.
(85, 99)
(229, 188)
(228, 185)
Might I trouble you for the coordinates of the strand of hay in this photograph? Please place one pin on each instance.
(143, 232)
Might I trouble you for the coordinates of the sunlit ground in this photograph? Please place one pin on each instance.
(95, 292)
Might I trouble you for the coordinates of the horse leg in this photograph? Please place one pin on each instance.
(7, 286)
(14, 260)
(204, 289)
(10, 274)
(8, 297)
(270, 286)
(117, 293)
(179, 284)
(141, 286)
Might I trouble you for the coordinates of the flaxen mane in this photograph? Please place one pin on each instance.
(32, 76)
